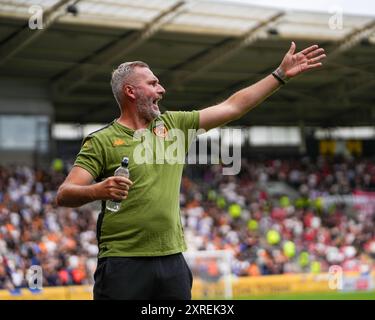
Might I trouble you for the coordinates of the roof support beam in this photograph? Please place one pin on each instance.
(25, 35)
(224, 94)
(218, 54)
(347, 86)
(80, 74)
(353, 39)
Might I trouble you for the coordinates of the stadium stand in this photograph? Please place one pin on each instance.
(235, 213)
(286, 214)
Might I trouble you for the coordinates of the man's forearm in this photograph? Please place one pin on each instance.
(71, 195)
(246, 99)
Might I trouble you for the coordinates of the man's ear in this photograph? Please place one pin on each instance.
(129, 91)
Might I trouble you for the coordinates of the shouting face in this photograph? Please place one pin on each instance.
(148, 92)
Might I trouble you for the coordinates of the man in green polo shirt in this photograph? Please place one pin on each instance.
(141, 245)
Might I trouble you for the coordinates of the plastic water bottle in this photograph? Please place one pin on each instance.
(122, 171)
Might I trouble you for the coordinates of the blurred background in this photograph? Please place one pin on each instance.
(304, 201)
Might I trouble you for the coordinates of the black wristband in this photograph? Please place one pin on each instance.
(282, 82)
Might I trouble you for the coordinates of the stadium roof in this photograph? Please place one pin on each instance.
(202, 51)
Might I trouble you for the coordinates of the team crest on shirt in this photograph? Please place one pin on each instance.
(118, 142)
(160, 130)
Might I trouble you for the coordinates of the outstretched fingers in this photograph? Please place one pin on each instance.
(292, 48)
(312, 66)
(315, 53)
(317, 59)
(309, 49)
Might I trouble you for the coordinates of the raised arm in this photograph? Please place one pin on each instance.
(78, 188)
(246, 99)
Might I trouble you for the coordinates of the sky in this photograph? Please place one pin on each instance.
(353, 7)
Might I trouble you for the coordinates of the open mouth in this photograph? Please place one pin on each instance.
(156, 101)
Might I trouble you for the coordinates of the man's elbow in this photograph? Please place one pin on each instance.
(60, 197)
(234, 112)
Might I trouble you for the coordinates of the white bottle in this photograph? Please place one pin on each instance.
(123, 171)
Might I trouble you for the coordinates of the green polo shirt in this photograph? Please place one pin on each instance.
(149, 222)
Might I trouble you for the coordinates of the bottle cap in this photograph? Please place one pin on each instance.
(125, 161)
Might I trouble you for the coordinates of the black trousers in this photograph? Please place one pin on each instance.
(143, 278)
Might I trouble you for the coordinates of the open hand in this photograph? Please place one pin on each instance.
(294, 64)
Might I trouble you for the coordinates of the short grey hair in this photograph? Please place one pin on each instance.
(121, 76)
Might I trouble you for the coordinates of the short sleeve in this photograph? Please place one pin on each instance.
(90, 157)
(188, 122)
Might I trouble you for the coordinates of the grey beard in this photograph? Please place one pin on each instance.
(145, 110)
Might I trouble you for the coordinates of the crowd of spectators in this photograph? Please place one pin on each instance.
(267, 232)
(273, 233)
(34, 231)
